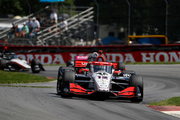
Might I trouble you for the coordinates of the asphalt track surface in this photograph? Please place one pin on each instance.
(26, 103)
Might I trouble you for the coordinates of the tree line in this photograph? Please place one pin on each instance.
(146, 16)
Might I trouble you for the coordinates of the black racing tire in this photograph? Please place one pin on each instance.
(69, 76)
(2, 64)
(58, 86)
(137, 81)
(59, 81)
(121, 66)
(33, 64)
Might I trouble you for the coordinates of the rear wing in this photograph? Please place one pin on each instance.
(81, 58)
(80, 61)
(80, 64)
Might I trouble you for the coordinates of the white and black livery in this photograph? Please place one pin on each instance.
(10, 62)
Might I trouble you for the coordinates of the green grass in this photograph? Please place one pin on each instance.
(7, 77)
(174, 101)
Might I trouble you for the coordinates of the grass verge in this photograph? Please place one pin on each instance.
(174, 101)
(7, 77)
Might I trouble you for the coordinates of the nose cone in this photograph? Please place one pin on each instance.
(103, 82)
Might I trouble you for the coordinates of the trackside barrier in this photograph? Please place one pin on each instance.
(61, 54)
(136, 56)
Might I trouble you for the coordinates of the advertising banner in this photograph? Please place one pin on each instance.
(136, 56)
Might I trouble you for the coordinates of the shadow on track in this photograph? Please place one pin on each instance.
(92, 98)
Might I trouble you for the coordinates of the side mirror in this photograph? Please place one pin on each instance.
(86, 70)
(83, 70)
(117, 72)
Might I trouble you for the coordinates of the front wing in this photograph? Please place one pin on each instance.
(128, 92)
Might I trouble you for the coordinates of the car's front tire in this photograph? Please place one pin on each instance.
(34, 63)
(2, 64)
(137, 82)
(121, 66)
(67, 78)
(61, 71)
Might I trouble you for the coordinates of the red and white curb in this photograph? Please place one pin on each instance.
(50, 77)
(170, 110)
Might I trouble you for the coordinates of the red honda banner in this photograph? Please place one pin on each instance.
(137, 56)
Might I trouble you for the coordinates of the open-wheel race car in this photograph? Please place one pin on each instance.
(10, 62)
(99, 78)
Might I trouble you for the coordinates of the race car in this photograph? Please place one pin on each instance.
(85, 59)
(99, 78)
(10, 62)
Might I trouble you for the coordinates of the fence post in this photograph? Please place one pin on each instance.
(97, 21)
(129, 13)
(166, 24)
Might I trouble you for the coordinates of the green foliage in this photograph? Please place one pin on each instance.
(20, 7)
(10, 7)
(174, 101)
(69, 2)
(147, 16)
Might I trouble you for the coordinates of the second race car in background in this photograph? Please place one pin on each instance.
(83, 60)
(10, 62)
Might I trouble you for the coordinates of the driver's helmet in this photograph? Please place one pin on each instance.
(6, 56)
(93, 56)
(13, 55)
(70, 63)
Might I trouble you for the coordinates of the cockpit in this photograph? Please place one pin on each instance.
(10, 56)
(96, 68)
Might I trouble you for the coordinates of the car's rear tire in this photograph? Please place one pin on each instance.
(121, 66)
(2, 64)
(137, 82)
(33, 64)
